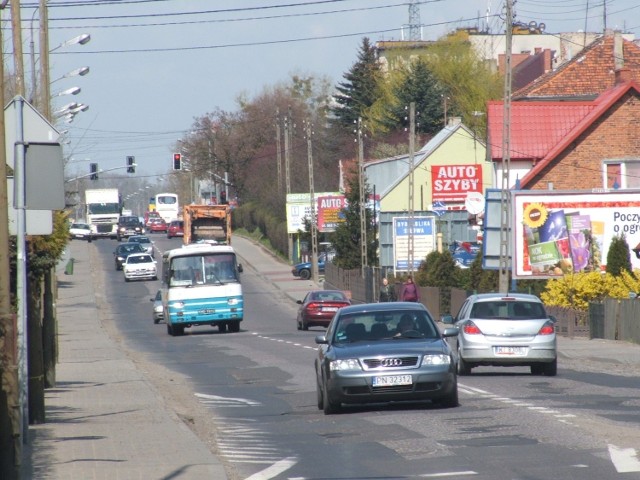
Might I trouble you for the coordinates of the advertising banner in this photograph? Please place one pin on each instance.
(451, 183)
(565, 232)
(299, 207)
(424, 241)
(330, 212)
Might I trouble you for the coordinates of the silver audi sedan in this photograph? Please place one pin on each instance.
(384, 352)
(504, 330)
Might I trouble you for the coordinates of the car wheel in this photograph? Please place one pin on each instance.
(169, 329)
(305, 325)
(127, 279)
(551, 368)
(155, 277)
(537, 369)
(305, 274)
(319, 398)
(222, 327)
(451, 400)
(463, 366)
(298, 324)
(178, 330)
(156, 321)
(328, 406)
(234, 326)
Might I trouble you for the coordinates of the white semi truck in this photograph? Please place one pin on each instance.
(103, 207)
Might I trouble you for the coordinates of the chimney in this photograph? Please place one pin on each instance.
(618, 53)
(623, 75)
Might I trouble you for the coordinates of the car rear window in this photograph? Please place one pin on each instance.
(518, 310)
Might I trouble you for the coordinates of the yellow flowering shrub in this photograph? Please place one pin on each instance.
(578, 289)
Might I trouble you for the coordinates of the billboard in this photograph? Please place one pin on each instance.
(451, 183)
(299, 207)
(424, 241)
(556, 233)
(330, 212)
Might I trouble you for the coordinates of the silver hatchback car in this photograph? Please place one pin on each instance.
(504, 330)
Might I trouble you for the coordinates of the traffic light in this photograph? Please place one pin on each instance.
(177, 161)
(131, 164)
(94, 171)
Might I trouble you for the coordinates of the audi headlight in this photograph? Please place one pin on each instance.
(436, 360)
(347, 364)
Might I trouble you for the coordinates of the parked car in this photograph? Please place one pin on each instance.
(505, 330)
(318, 308)
(80, 231)
(157, 225)
(464, 253)
(175, 229)
(129, 225)
(303, 270)
(123, 250)
(145, 242)
(139, 266)
(158, 310)
(365, 357)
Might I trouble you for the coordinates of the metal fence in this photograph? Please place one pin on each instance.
(612, 319)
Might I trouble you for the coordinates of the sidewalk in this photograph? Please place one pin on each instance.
(103, 419)
(106, 421)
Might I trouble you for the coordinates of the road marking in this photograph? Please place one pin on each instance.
(226, 401)
(275, 469)
(624, 459)
(448, 474)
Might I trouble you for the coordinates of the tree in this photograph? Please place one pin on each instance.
(419, 85)
(359, 91)
(618, 256)
(348, 234)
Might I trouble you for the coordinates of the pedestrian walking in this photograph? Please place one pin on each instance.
(387, 292)
(409, 292)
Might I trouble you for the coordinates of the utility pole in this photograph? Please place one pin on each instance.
(287, 161)
(312, 198)
(278, 151)
(412, 136)
(363, 201)
(10, 426)
(505, 198)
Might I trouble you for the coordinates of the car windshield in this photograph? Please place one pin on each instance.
(208, 269)
(130, 248)
(140, 240)
(326, 296)
(381, 326)
(81, 226)
(508, 310)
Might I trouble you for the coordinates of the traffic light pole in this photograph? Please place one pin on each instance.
(99, 171)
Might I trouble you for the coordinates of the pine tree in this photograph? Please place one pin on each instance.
(618, 256)
(347, 237)
(359, 90)
(420, 86)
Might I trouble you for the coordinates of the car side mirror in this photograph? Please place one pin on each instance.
(447, 319)
(299, 302)
(152, 299)
(321, 340)
(553, 318)
(240, 269)
(450, 332)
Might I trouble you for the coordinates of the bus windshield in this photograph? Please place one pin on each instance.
(205, 269)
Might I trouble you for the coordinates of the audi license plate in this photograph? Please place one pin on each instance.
(392, 380)
(514, 351)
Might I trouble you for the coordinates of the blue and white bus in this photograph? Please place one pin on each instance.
(201, 286)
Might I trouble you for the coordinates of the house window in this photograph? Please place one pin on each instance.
(624, 174)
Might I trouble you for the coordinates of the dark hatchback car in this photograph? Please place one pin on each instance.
(318, 308)
(384, 352)
(129, 225)
(123, 250)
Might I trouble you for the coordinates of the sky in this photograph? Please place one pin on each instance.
(156, 65)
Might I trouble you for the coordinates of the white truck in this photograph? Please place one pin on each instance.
(103, 207)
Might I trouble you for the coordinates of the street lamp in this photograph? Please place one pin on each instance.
(78, 72)
(68, 91)
(80, 39)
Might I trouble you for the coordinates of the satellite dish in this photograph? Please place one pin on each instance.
(541, 27)
(474, 203)
(532, 24)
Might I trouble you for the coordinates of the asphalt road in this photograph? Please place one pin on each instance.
(251, 397)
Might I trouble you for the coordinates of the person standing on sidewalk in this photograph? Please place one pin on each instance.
(387, 292)
(409, 292)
